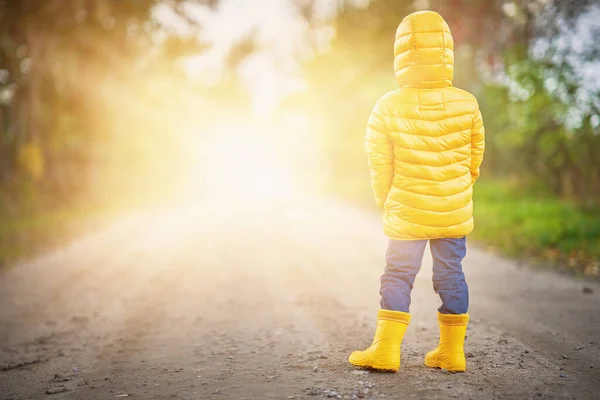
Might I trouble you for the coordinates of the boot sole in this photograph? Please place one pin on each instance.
(437, 366)
(376, 368)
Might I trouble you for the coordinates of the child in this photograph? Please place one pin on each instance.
(425, 143)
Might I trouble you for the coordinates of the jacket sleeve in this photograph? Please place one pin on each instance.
(477, 145)
(380, 154)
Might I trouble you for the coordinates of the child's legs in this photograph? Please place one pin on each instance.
(403, 261)
(448, 277)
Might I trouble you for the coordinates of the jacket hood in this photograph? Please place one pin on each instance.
(424, 51)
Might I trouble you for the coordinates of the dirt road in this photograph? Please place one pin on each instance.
(255, 304)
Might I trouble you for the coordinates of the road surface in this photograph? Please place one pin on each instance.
(212, 303)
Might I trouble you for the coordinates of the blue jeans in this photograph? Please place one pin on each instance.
(403, 261)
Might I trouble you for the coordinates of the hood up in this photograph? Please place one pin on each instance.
(424, 51)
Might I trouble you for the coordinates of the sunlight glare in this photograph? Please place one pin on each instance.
(240, 162)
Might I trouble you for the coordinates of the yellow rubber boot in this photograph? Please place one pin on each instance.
(384, 353)
(450, 352)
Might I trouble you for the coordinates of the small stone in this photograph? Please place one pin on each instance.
(565, 356)
(502, 341)
(315, 369)
(526, 352)
(314, 391)
(444, 371)
(291, 397)
(57, 390)
(360, 372)
(563, 376)
(587, 290)
(122, 395)
(579, 348)
(470, 355)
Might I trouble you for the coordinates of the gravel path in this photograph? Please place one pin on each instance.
(253, 304)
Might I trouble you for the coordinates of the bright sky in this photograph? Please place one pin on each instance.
(282, 35)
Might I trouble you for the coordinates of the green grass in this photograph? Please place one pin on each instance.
(537, 226)
(22, 235)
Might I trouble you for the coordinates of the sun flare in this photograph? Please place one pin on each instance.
(238, 161)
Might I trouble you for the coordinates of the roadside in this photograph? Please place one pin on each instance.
(537, 228)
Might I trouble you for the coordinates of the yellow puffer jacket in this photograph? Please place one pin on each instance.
(425, 141)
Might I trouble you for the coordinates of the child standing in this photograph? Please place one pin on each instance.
(425, 143)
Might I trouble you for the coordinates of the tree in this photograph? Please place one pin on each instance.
(67, 70)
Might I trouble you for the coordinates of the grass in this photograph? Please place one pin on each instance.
(536, 226)
(25, 234)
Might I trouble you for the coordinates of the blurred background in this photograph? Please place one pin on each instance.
(111, 106)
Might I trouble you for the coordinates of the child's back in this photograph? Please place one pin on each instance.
(425, 141)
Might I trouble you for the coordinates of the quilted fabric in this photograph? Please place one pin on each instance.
(425, 141)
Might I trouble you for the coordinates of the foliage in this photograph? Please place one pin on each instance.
(537, 225)
(69, 69)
